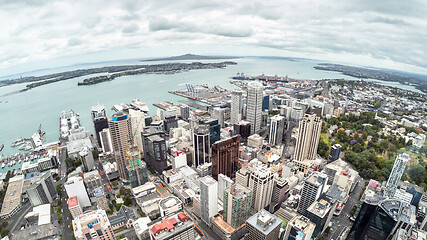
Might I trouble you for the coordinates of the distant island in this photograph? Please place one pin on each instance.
(189, 56)
(116, 71)
(383, 75)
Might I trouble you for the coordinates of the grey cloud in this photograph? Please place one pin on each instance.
(388, 20)
(74, 41)
(131, 28)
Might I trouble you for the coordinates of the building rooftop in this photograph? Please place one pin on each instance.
(45, 232)
(168, 226)
(264, 221)
(224, 226)
(72, 202)
(90, 174)
(43, 214)
(169, 202)
(302, 224)
(12, 197)
(87, 220)
(320, 208)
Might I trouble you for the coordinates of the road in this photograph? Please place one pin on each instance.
(16, 220)
(66, 217)
(339, 223)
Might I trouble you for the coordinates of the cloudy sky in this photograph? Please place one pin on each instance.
(40, 34)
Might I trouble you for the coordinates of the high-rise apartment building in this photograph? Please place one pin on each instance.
(121, 138)
(225, 157)
(87, 158)
(105, 138)
(99, 119)
(396, 174)
(201, 145)
(277, 125)
(42, 191)
(185, 111)
(320, 213)
(237, 204)
(137, 170)
(261, 183)
(93, 225)
(137, 122)
(254, 105)
(314, 186)
(307, 142)
(236, 106)
(208, 198)
(263, 226)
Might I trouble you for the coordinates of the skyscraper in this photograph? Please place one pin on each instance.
(99, 119)
(335, 152)
(261, 183)
(225, 157)
(263, 226)
(105, 138)
(254, 105)
(137, 170)
(237, 204)
(396, 174)
(223, 183)
(307, 141)
(299, 227)
(218, 113)
(236, 106)
(185, 111)
(277, 124)
(137, 122)
(121, 136)
(155, 150)
(201, 145)
(311, 191)
(208, 198)
(76, 188)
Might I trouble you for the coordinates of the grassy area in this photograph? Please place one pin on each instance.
(326, 139)
(284, 222)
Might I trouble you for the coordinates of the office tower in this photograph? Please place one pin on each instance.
(396, 174)
(74, 207)
(105, 138)
(320, 213)
(261, 183)
(365, 213)
(87, 158)
(299, 227)
(277, 125)
(76, 188)
(42, 191)
(237, 204)
(170, 122)
(335, 152)
(184, 111)
(218, 113)
(121, 138)
(263, 226)
(236, 106)
(93, 225)
(137, 122)
(266, 102)
(225, 157)
(297, 114)
(313, 187)
(178, 159)
(214, 129)
(155, 150)
(223, 183)
(242, 128)
(92, 180)
(178, 226)
(201, 145)
(208, 198)
(254, 105)
(307, 141)
(280, 192)
(99, 119)
(137, 169)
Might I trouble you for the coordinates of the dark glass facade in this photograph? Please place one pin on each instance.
(225, 157)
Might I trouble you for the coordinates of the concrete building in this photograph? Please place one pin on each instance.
(237, 204)
(208, 198)
(169, 206)
(155, 149)
(178, 159)
(201, 145)
(185, 111)
(261, 183)
(105, 141)
(223, 183)
(137, 170)
(307, 142)
(255, 141)
(334, 154)
(219, 114)
(263, 226)
(280, 192)
(76, 188)
(320, 213)
(299, 227)
(74, 207)
(87, 158)
(100, 121)
(42, 191)
(93, 225)
(236, 106)
(314, 186)
(12, 198)
(277, 125)
(396, 174)
(242, 128)
(120, 130)
(225, 157)
(137, 122)
(254, 105)
(141, 228)
(176, 227)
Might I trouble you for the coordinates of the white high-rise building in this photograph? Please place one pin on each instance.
(75, 188)
(307, 141)
(218, 113)
(261, 183)
(254, 105)
(137, 122)
(236, 106)
(105, 138)
(223, 183)
(277, 125)
(396, 174)
(208, 198)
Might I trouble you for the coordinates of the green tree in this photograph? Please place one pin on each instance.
(4, 232)
(127, 200)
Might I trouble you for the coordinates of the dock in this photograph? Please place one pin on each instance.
(163, 105)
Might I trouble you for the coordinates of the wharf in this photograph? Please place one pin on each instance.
(184, 95)
(163, 105)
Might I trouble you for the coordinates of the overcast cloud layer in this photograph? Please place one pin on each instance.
(390, 33)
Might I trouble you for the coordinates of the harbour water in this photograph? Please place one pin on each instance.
(22, 113)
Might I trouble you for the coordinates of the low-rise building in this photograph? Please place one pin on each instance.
(93, 225)
(175, 227)
(74, 207)
(169, 206)
(12, 199)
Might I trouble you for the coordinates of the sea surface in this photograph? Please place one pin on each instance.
(21, 113)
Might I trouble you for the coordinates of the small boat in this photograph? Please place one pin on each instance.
(3, 165)
(1, 147)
